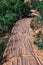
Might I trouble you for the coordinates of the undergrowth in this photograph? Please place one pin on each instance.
(2, 47)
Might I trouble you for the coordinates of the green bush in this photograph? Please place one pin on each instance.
(2, 47)
(35, 23)
(40, 8)
(10, 12)
(34, 4)
(39, 44)
(38, 5)
(38, 41)
(32, 25)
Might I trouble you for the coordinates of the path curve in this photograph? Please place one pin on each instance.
(19, 50)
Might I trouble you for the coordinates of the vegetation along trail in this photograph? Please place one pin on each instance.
(19, 50)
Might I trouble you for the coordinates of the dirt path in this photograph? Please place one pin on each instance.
(19, 50)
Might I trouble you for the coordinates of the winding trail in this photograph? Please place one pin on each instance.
(19, 50)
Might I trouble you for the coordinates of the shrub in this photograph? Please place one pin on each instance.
(32, 25)
(10, 12)
(39, 43)
(39, 36)
(35, 23)
(38, 5)
(2, 47)
(40, 8)
(34, 4)
(22, 9)
(39, 40)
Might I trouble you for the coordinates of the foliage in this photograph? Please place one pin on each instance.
(35, 23)
(38, 5)
(39, 43)
(2, 47)
(39, 36)
(10, 12)
(34, 4)
(32, 24)
(39, 39)
(40, 8)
